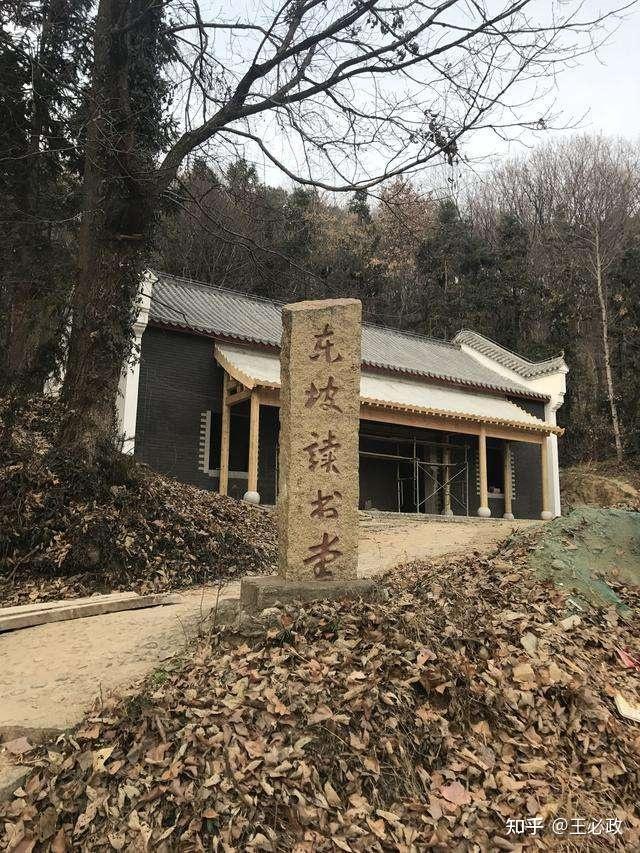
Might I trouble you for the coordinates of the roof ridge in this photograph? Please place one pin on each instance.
(507, 350)
(207, 286)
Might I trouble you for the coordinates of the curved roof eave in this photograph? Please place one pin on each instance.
(190, 306)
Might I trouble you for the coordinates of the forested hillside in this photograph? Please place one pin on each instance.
(542, 255)
(123, 144)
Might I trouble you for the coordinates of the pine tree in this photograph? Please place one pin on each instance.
(43, 56)
(359, 204)
(452, 266)
(512, 284)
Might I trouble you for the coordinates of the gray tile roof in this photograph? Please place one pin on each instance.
(214, 310)
(521, 366)
(186, 304)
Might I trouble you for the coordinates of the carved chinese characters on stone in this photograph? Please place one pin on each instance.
(322, 453)
(326, 396)
(322, 555)
(323, 506)
(325, 345)
(319, 420)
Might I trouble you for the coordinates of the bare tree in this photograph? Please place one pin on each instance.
(579, 200)
(601, 184)
(339, 96)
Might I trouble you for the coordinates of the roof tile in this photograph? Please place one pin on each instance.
(211, 310)
(511, 360)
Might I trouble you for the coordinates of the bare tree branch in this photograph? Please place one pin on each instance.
(367, 83)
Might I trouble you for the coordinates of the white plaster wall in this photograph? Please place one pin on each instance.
(127, 399)
(554, 386)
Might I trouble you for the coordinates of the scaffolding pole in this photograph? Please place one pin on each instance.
(423, 468)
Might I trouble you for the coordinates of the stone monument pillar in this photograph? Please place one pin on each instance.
(319, 423)
(318, 484)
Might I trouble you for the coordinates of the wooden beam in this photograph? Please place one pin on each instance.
(446, 458)
(225, 437)
(435, 476)
(443, 424)
(483, 509)
(239, 396)
(271, 397)
(254, 431)
(508, 485)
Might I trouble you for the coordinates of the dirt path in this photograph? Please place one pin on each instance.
(51, 674)
(387, 541)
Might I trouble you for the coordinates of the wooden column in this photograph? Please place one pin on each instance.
(224, 438)
(435, 477)
(254, 431)
(446, 458)
(507, 476)
(483, 509)
(544, 468)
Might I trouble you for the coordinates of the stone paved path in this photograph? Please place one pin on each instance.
(50, 674)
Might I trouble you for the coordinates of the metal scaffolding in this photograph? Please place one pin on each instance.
(423, 482)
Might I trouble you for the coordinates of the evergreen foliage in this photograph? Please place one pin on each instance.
(432, 267)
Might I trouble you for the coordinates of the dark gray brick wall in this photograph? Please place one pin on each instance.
(268, 452)
(179, 379)
(527, 469)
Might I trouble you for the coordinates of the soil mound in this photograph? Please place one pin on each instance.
(68, 530)
(587, 551)
(606, 484)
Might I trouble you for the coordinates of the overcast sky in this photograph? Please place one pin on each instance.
(604, 89)
(608, 85)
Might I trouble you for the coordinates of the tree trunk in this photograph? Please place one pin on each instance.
(602, 299)
(118, 206)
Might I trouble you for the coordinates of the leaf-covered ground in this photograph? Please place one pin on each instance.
(466, 696)
(67, 530)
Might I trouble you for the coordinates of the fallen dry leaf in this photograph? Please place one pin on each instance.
(19, 746)
(332, 797)
(630, 710)
(259, 743)
(456, 793)
(524, 672)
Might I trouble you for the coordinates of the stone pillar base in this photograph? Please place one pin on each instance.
(251, 497)
(546, 515)
(262, 591)
(508, 516)
(484, 512)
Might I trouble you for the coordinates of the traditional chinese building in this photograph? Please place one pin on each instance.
(463, 427)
